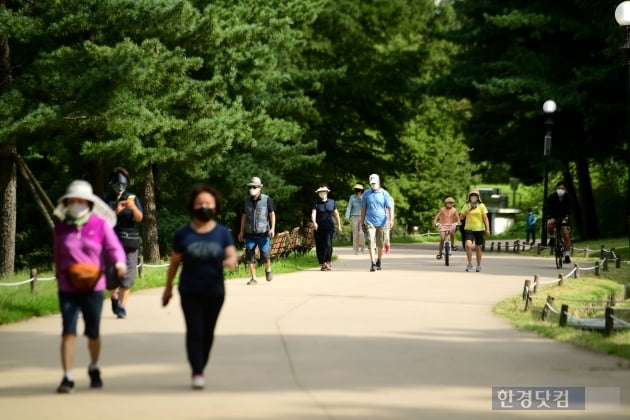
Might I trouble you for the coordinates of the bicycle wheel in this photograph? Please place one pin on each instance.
(447, 252)
(559, 252)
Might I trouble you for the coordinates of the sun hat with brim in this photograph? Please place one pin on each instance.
(83, 190)
(255, 182)
(449, 200)
(358, 186)
(475, 192)
(320, 189)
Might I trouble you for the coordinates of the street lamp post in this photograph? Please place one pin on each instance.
(622, 16)
(549, 107)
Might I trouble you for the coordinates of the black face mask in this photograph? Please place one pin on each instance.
(204, 213)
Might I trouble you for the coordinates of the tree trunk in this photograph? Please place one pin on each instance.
(150, 243)
(8, 193)
(8, 173)
(590, 228)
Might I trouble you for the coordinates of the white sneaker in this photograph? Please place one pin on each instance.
(469, 267)
(478, 268)
(198, 382)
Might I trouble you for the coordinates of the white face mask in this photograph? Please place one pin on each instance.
(323, 195)
(375, 186)
(78, 210)
(254, 191)
(560, 192)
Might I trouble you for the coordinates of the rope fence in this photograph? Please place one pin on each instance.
(607, 324)
(35, 276)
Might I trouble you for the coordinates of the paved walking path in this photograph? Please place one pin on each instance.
(416, 340)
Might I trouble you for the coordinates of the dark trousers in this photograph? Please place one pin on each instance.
(201, 314)
(323, 245)
(531, 232)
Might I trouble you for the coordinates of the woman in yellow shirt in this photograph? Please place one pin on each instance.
(477, 224)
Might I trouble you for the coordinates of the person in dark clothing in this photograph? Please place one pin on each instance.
(128, 213)
(323, 216)
(557, 210)
(204, 248)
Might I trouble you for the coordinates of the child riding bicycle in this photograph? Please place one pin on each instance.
(446, 220)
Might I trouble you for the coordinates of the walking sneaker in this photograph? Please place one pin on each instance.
(323, 267)
(252, 281)
(469, 267)
(373, 267)
(268, 275)
(478, 269)
(66, 386)
(122, 312)
(567, 259)
(198, 382)
(115, 304)
(378, 264)
(95, 378)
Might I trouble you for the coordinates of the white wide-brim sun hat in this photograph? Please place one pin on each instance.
(83, 190)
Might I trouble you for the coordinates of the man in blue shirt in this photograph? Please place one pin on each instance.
(377, 215)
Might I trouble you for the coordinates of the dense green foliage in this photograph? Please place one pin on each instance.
(300, 92)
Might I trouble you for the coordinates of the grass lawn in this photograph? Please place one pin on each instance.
(586, 298)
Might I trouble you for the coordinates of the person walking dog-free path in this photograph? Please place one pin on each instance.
(258, 226)
(377, 215)
(476, 215)
(204, 247)
(82, 241)
(323, 216)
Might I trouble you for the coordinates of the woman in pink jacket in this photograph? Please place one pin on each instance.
(82, 241)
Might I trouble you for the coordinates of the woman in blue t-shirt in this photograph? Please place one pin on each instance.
(204, 247)
(324, 211)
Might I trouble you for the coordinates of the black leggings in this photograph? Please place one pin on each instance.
(324, 244)
(201, 314)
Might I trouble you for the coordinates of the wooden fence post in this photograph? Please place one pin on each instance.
(539, 249)
(609, 323)
(564, 310)
(528, 301)
(597, 268)
(605, 264)
(34, 281)
(576, 272)
(141, 266)
(560, 279)
(535, 283)
(499, 247)
(602, 252)
(526, 289)
(626, 291)
(545, 311)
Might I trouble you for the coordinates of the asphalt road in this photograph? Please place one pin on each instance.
(415, 340)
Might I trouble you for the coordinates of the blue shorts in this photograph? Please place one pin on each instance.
(90, 304)
(264, 246)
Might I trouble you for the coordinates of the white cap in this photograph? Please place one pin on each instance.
(374, 179)
(255, 182)
(320, 189)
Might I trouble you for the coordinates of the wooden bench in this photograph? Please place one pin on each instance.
(308, 240)
(292, 242)
(278, 245)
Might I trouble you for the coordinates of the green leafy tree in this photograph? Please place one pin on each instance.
(513, 56)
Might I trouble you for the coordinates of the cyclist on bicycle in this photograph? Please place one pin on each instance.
(446, 220)
(557, 210)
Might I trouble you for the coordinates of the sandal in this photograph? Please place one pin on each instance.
(454, 248)
(438, 256)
